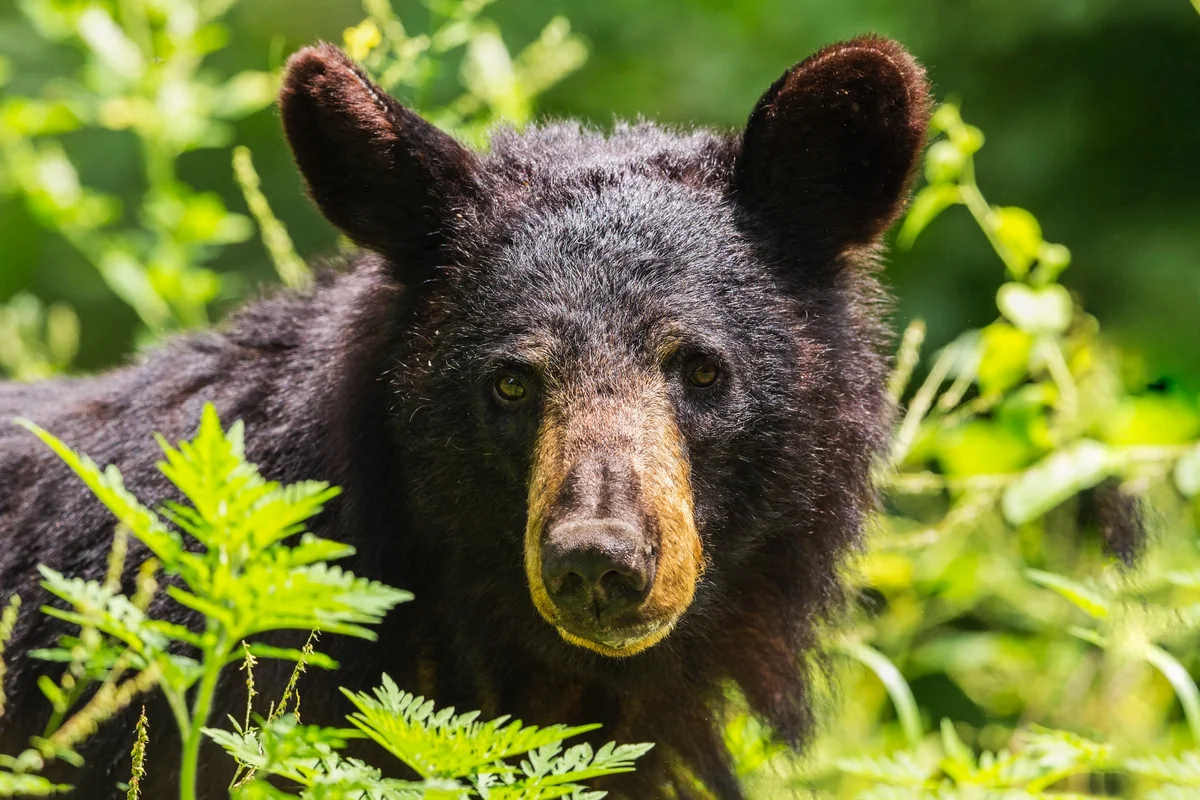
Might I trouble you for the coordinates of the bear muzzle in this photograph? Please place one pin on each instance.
(612, 554)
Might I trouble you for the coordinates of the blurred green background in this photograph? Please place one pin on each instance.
(1091, 108)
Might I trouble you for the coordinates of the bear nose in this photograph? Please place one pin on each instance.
(596, 568)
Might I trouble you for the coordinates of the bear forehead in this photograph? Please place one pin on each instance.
(634, 259)
(698, 157)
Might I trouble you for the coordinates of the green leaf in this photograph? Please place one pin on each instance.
(1153, 419)
(902, 768)
(957, 757)
(895, 684)
(1187, 472)
(244, 94)
(260, 650)
(1182, 769)
(1004, 357)
(272, 595)
(12, 785)
(1061, 475)
(106, 610)
(982, 447)
(925, 208)
(944, 162)
(1020, 234)
(1052, 260)
(1079, 595)
(442, 744)
(31, 117)
(1045, 310)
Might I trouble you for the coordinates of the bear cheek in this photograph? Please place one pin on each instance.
(649, 441)
(667, 493)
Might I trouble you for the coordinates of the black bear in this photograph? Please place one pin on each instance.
(607, 404)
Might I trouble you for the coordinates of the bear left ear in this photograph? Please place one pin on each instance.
(829, 150)
(387, 178)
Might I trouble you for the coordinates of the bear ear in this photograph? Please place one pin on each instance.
(828, 153)
(387, 178)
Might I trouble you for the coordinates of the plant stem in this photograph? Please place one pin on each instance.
(897, 688)
(975, 202)
(921, 404)
(1181, 681)
(214, 659)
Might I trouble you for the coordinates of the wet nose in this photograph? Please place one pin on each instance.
(596, 568)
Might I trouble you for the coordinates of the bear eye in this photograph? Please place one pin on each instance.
(704, 374)
(510, 389)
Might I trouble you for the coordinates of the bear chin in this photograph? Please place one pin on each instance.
(618, 645)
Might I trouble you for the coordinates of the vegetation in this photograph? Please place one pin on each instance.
(1020, 465)
(257, 571)
(998, 649)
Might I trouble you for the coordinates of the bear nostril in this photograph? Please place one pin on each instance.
(615, 582)
(594, 567)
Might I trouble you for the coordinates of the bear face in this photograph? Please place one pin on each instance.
(603, 370)
(641, 374)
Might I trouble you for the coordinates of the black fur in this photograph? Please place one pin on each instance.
(758, 247)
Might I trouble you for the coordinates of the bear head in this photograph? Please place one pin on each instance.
(639, 384)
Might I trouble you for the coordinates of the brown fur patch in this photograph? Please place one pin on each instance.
(638, 424)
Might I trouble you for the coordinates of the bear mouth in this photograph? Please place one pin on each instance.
(620, 642)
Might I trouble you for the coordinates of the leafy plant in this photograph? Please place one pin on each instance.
(497, 86)
(454, 755)
(249, 569)
(142, 72)
(244, 579)
(35, 341)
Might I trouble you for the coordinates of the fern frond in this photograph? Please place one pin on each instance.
(442, 744)
(110, 490)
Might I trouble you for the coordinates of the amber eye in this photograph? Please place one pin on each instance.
(704, 375)
(510, 389)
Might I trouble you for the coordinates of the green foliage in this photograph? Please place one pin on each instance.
(251, 568)
(36, 341)
(455, 755)
(144, 73)
(1028, 443)
(290, 267)
(497, 86)
(995, 605)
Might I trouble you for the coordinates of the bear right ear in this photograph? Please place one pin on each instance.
(828, 154)
(387, 178)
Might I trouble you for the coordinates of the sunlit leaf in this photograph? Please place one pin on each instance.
(1057, 477)
(1044, 310)
(1153, 419)
(1081, 596)
(12, 785)
(1019, 232)
(943, 162)
(1187, 472)
(982, 447)
(924, 209)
